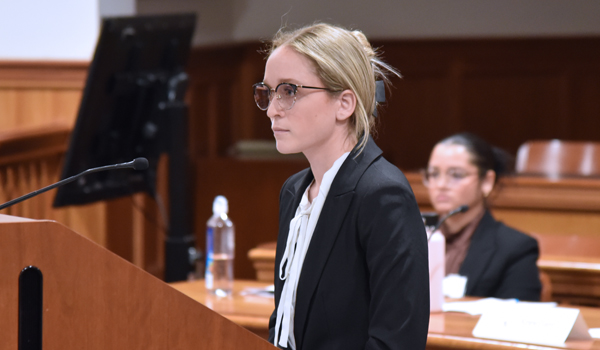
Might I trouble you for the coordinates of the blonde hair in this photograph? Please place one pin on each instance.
(344, 60)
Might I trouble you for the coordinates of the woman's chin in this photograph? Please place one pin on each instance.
(281, 148)
(443, 209)
(286, 149)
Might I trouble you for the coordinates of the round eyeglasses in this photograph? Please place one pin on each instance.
(285, 93)
(452, 176)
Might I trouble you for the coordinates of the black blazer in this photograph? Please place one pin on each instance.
(365, 280)
(501, 262)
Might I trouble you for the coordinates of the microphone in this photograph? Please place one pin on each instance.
(461, 209)
(136, 164)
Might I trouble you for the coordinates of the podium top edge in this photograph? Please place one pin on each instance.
(10, 218)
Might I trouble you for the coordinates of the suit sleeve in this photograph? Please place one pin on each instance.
(521, 278)
(395, 245)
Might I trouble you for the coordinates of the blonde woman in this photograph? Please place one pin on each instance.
(351, 264)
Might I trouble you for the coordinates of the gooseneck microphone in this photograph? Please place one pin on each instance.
(461, 209)
(136, 164)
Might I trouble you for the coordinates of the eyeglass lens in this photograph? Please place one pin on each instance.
(285, 94)
(452, 176)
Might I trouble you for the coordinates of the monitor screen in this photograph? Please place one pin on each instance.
(138, 68)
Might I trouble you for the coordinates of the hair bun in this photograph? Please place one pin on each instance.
(362, 39)
(503, 162)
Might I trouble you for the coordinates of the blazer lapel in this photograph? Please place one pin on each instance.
(479, 252)
(328, 228)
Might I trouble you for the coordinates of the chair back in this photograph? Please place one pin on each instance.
(556, 158)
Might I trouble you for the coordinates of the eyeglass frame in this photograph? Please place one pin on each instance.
(451, 180)
(273, 92)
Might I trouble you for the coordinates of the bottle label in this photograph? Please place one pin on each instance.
(208, 276)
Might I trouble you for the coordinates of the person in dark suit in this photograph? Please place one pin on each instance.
(497, 260)
(351, 268)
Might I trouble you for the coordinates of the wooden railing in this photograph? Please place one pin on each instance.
(30, 159)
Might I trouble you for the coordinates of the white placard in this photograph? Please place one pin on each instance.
(454, 286)
(546, 326)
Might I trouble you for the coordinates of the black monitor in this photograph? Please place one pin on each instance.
(137, 70)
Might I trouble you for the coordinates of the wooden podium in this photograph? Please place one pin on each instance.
(93, 299)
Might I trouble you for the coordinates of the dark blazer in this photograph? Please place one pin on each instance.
(501, 262)
(365, 280)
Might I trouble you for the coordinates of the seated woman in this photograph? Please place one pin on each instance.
(497, 260)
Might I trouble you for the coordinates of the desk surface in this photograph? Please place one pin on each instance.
(446, 330)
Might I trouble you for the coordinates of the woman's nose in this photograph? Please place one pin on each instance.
(274, 109)
(442, 181)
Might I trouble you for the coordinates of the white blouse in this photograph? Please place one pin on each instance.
(302, 227)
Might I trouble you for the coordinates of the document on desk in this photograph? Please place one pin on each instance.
(524, 322)
(267, 292)
(478, 307)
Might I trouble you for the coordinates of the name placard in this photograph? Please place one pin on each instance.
(526, 323)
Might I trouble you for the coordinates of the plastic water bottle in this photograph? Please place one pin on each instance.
(220, 248)
(437, 270)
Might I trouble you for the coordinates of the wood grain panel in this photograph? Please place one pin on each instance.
(507, 91)
(34, 93)
(95, 300)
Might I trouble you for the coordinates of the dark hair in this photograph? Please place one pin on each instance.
(484, 156)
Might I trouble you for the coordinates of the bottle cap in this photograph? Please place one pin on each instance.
(220, 205)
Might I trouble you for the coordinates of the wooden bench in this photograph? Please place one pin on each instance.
(573, 279)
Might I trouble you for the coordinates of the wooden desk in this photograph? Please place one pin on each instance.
(575, 279)
(250, 311)
(446, 330)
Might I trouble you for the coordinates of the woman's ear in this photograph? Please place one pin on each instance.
(347, 100)
(487, 184)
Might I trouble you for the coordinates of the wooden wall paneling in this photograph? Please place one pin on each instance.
(505, 109)
(152, 237)
(119, 226)
(525, 88)
(251, 72)
(28, 107)
(214, 98)
(420, 107)
(156, 227)
(507, 91)
(415, 115)
(550, 222)
(585, 97)
(35, 93)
